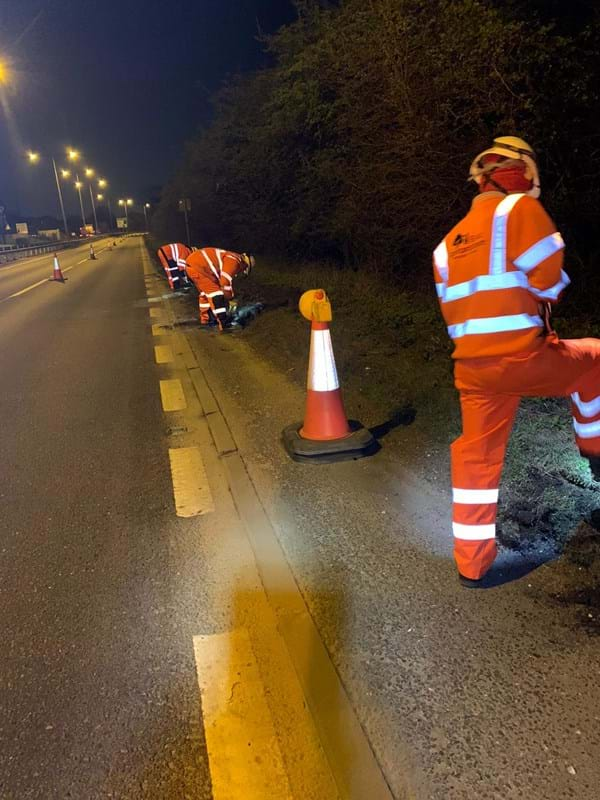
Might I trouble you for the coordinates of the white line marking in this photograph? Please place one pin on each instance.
(163, 354)
(172, 396)
(190, 483)
(46, 280)
(243, 751)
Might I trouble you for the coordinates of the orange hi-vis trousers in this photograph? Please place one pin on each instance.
(490, 390)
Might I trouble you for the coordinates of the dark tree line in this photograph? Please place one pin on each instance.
(355, 144)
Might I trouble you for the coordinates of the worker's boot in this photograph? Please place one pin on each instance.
(470, 583)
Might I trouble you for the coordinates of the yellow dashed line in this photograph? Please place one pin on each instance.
(243, 751)
(190, 484)
(172, 396)
(163, 354)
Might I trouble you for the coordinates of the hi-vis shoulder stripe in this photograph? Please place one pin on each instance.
(499, 226)
(440, 259)
(475, 496)
(587, 408)
(511, 322)
(473, 532)
(539, 252)
(322, 374)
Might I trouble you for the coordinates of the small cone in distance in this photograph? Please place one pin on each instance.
(57, 272)
(92, 254)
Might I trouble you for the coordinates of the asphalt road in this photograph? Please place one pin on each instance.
(314, 609)
(98, 693)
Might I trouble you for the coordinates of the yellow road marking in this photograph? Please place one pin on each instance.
(172, 396)
(156, 313)
(190, 484)
(163, 354)
(158, 330)
(243, 751)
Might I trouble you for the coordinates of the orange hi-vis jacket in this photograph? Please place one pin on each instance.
(216, 266)
(492, 272)
(176, 252)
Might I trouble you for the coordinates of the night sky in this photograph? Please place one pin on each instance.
(125, 82)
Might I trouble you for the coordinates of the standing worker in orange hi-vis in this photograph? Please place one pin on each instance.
(172, 257)
(497, 273)
(212, 270)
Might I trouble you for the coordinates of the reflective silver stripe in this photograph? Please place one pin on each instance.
(474, 497)
(587, 408)
(439, 287)
(553, 292)
(499, 226)
(512, 322)
(473, 532)
(213, 294)
(440, 259)
(175, 252)
(226, 275)
(210, 264)
(486, 283)
(220, 310)
(322, 373)
(220, 259)
(587, 430)
(539, 252)
(203, 305)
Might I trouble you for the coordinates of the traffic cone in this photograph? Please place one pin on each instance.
(326, 434)
(92, 254)
(57, 273)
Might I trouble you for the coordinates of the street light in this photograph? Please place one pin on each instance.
(89, 173)
(72, 155)
(125, 203)
(33, 159)
(78, 185)
(102, 184)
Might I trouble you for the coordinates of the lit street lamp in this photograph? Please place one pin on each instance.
(89, 173)
(33, 159)
(125, 203)
(102, 184)
(78, 185)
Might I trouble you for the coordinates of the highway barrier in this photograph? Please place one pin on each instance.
(10, 254)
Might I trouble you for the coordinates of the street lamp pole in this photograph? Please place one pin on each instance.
(145, 206)
(60, 198)
(110, 214)
(78, 187)
(93, 207)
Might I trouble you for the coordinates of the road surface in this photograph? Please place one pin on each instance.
(185, 610)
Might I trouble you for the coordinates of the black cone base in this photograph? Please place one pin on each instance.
(359, 444)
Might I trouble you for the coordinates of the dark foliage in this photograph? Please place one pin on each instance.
(355, 145)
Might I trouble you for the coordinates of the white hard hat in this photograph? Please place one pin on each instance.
(513, 148)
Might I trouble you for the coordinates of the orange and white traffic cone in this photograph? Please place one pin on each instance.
(92, 254)
(57, 272)
(326, 434)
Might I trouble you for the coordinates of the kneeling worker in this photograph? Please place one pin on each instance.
(496, 274)
(212, 270)
(172, 257)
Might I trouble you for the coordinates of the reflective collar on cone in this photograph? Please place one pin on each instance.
(322, 372)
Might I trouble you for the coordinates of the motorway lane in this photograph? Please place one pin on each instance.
(98, 692)
(21, 274)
